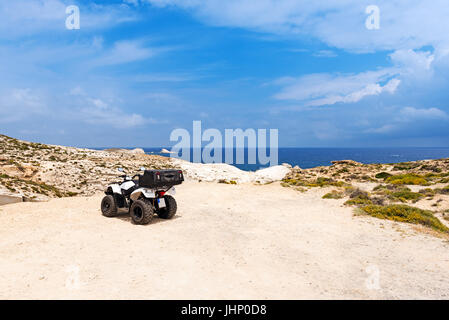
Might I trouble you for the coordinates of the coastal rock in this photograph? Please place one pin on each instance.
(224, 172)
(212, 171)
(133, 151)
(165, 151)
(275, 173)
(349, 162)
(137, 151)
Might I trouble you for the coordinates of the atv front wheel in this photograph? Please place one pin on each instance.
(108, 206)
(170, 208)
(141, 212)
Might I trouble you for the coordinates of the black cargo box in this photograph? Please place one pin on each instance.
(160, 178)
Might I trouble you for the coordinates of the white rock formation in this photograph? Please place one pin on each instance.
(221, 171)
(137, 151)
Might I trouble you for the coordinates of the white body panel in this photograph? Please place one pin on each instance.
(147, 193)
(127, 184)
(115, 188)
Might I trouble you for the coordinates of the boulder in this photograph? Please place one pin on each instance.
(7, 199)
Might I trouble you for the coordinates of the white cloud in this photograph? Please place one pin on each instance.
(25, 18)
(410, 113)
(404, 23)
(163, 78)
(327, 89)
(97, 111)
(113, 117)
(387, 128)
(20, 103)
(125, 52)
(325, 54)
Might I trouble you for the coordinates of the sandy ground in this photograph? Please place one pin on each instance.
(227, 242)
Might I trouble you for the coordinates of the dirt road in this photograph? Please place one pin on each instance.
(227, 242)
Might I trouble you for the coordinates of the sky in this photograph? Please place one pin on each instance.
(135, 70)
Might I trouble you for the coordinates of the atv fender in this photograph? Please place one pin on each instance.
(171, 191)
(113, 188)
(147, 193)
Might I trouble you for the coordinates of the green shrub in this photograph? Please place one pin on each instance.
(358, 202)
(406, 195)
(406, 166)
(431, 168)
(226, 181)
(383, 175)
(404, 213)
(444, 190)
(319, 182)
(409, 178)
(334, 194)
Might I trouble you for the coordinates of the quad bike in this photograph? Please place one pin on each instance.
(143, 195)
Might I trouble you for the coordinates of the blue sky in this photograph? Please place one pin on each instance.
(137, 69)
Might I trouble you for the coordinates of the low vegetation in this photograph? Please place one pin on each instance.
(318, 182)
(227, 182)
(334, 194)
(408, 178)
(397, 193)
(383, 175)
(404, 213)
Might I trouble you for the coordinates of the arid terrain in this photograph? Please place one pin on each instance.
(344, 231)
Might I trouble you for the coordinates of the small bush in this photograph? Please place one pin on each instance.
(358, 202)
(406, 195)
(358, 198)
(409, 178)
(383, 175)
(428, 192)
(319, 182)
(359, 194)
(226, 181)
(404, 213)
(444, 190)
(406, 166)
(431, 168)
(334, 194)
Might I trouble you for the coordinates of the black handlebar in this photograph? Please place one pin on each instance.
(125, 175)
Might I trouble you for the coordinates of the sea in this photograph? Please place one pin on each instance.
(314, 157)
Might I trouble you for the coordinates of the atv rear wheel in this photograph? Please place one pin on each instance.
(141, 212)
(108, 206)
(170, 208)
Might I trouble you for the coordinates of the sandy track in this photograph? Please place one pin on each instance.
(239, 242)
